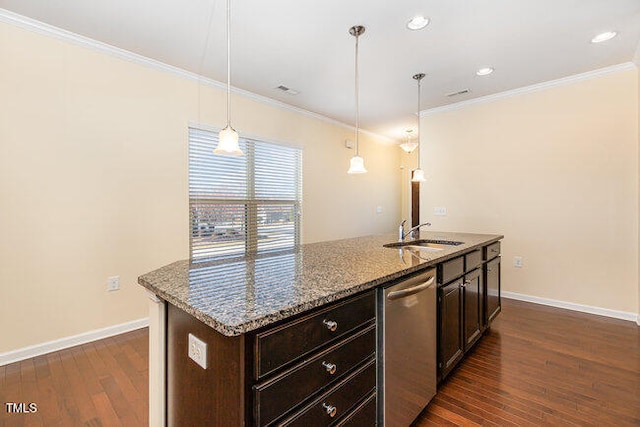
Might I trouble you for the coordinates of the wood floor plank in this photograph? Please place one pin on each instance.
(64, 394)
(105, 412)
(74, 380)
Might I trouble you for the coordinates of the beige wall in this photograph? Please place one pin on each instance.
(556, 172)
(93, 181)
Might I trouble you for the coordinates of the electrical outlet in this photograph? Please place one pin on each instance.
(113, 283)
(198, 351)
(379, 209)
(517, 261)
(440, 210)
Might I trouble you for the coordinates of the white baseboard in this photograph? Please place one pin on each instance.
(72, 341)
(624, 315)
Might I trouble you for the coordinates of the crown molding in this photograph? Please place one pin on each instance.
(35, 26)
(626, 66)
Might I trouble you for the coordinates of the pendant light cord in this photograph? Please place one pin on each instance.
(228, 61)
(357, 100)
(418, 113)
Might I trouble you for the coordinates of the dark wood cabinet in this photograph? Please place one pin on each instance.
(203, 397)
(315, 369)
(468, 300)
(471, 297)
(282, 393)
(339, 402)
(450, 340)
(279, 346)
(492, 280)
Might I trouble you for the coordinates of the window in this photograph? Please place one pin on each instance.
(243, 204)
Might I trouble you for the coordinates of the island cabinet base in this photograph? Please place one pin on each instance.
(214, 396)
(313, 369)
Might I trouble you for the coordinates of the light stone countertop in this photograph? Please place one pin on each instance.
(241, 294)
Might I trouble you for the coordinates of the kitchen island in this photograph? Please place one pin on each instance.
(258, 317)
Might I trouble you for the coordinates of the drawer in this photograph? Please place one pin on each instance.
(451, 269)
(472, 260)
(282, 345)
(337, 402)
(282, 393)
(491, 251)
(364, 415)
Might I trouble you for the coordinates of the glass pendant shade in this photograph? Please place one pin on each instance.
(418, 176)
(228, 142)
(409, 146)
(356, 165)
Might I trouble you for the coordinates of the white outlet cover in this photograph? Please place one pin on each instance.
(517, 261)
(440, 210)
(113, 283)
(379, 209)
(198, 351)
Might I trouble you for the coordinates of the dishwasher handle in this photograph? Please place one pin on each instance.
(412, 290)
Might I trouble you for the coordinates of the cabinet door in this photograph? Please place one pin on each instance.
(472, 288)
(492, 298)
(450, 341)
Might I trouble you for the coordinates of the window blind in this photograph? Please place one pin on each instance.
(243, 204)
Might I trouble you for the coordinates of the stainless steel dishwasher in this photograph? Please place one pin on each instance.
(408, 348)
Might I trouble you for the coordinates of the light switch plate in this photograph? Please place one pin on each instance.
(198, 351)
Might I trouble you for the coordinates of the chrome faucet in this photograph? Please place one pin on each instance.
(403, 235)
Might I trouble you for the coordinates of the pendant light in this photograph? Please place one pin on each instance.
(357, 163)
(418, 174)
(410, 144)
(228, 137)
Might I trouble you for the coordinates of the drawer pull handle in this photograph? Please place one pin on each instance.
(494, 250)
(330, 324)
(330, 367)
(331, 410)
(488, 269)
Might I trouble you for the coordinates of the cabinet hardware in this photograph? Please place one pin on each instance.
(330, 367)
(413, 290)
(331, 410)
(488, 269)
(330, 324)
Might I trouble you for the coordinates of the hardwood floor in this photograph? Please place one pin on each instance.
(103, 383)
(537, 366)
(540, 365)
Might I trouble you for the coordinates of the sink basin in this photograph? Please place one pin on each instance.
(422, 248)
(424, 244)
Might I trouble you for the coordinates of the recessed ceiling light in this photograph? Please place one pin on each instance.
(418, 22)
(603, 37)
(484, 71)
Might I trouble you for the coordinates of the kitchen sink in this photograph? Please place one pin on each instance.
(424, 244)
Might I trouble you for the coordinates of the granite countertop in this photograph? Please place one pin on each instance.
(241, 294)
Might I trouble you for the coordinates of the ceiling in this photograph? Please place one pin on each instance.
(305, 45)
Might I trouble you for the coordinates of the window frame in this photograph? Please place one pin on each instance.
(250, 202)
